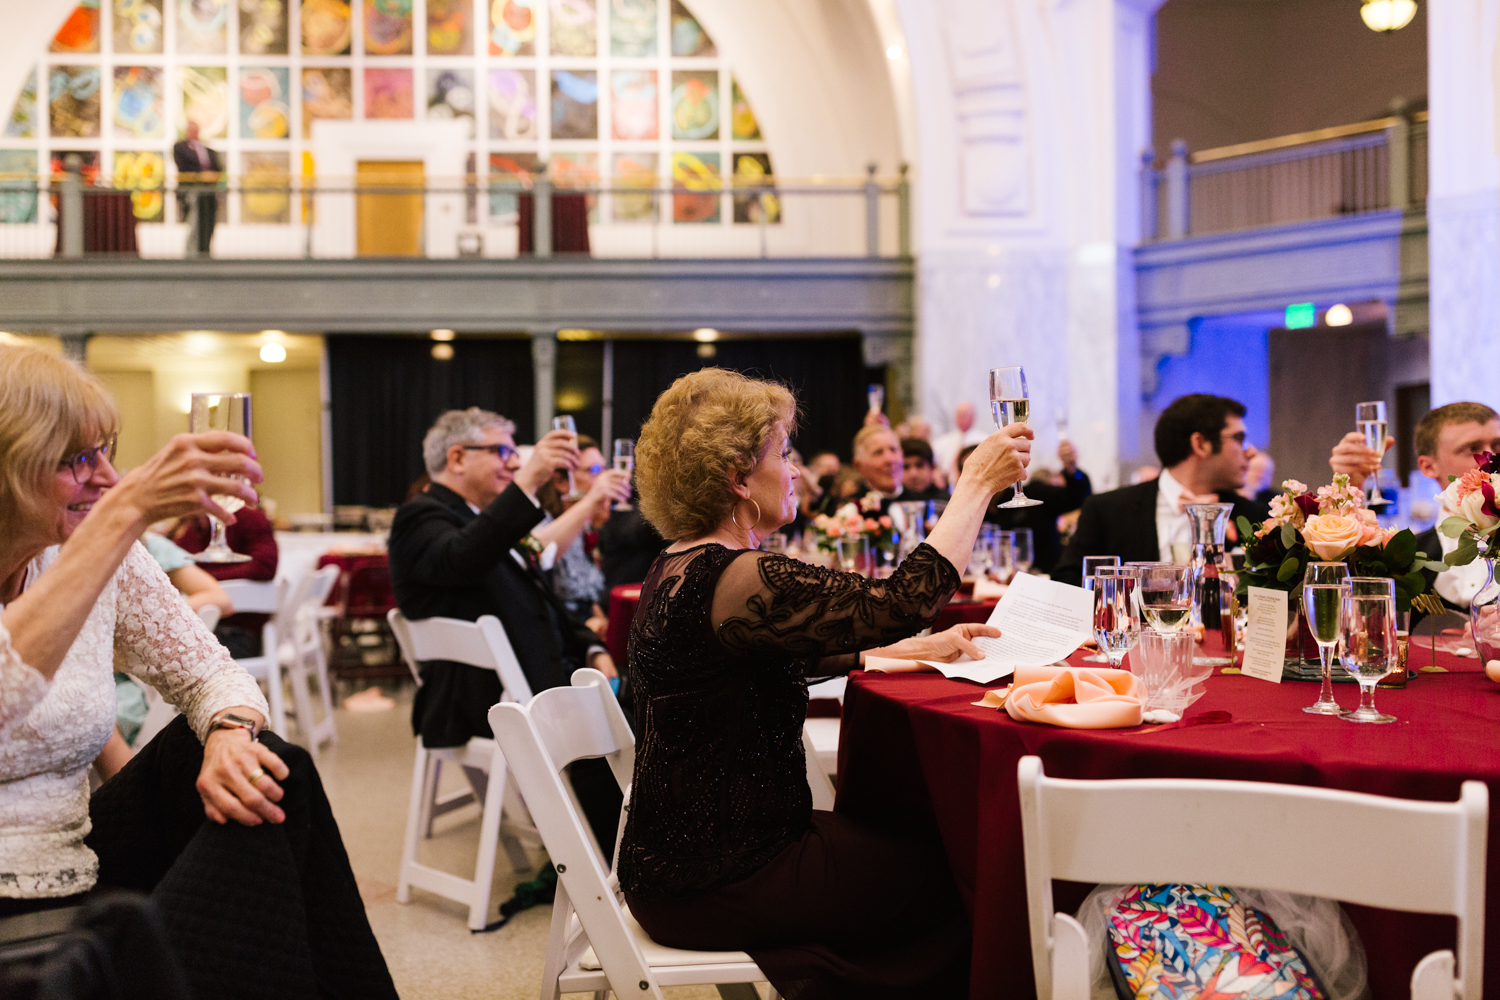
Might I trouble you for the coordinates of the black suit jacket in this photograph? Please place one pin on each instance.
(1056, 501)
(448, 561)
(1122, 523)
(187, 161)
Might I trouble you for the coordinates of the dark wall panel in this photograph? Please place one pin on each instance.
(386, 391)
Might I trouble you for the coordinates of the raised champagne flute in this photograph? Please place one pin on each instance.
(1009, 404)
(1117, 618)
(1369, 418)
(566, 423)
(221, 411)
(875, 394)
(1165, 594)
(1322, 603)
(1091, 566)
(624, 462)
(1368, 629)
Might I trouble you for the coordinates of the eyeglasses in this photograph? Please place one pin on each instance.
(594, 469)
(504, 452)
(1238, 438)
(84, 464)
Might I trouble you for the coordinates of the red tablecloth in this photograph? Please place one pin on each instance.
(916, 756)
(364, 587)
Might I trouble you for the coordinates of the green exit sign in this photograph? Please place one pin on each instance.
(1301, 315)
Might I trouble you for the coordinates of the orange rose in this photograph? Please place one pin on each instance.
(1331, 535)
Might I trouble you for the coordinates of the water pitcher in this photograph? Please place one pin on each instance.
(1211, 592)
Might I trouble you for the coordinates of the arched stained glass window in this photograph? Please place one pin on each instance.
(620, 93)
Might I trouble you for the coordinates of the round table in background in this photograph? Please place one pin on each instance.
(916, 756)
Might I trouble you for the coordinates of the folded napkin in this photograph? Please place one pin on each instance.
(890, 665)
(1074, 697)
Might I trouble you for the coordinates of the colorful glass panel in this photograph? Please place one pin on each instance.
(574, 27)
(634, 170)
(692, 173)
(388, 93)
(17, 186)
(754, 170)
(632, 28)
(688, 36)
(745, 127)
(265, 96)
(202, 27)
(326, 28)
(449, 25)
(22, 123)
(512, 27)
(73, 101)
(138, 102)
(142, 174)
(450, 94)
(575, 104)
(512, 96)
(578, 170)
(80, 32)
(326, 93)
(263, 27)
(510, 173)
(267, 178)
(137, 26)
(388, 27)
(633, 103)
(205, 100)
(88, 160)
(695, 104)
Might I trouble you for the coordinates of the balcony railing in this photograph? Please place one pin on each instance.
(285, 218)
(1365, 167)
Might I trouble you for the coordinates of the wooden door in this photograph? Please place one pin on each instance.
(389, 225)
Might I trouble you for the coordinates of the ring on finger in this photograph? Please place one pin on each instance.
(255, 775)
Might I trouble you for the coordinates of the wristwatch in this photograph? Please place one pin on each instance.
(228, 720)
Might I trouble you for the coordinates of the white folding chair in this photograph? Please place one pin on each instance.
(817, 768)
(603, 948)
(264, 598)
(1071, 830)
(480, 644)
(209, 615)
(301, 653)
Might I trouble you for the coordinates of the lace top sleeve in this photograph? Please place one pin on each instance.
(159, 639)
(21, 686)
(769, 603)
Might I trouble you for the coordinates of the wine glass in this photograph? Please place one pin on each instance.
(1003, 557)
(876, 395)
(981, 556)
(1117, 619)
(566, 423)
(1166, 595)
(1369, 419)
(1091, 566)
(1025, 549)
(1322, 604)
(625, 462)
(220, 411)
(1009, 404)
(1369, 633)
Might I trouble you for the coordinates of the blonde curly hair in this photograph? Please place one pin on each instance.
(710, 426)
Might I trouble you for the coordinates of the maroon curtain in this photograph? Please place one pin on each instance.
(108, 223)
(570, 223)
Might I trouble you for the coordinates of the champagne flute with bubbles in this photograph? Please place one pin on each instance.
(1322, 604)
(221, 411)
(566, 423)
(624, 462)
(1009, 404)
(1369, 418)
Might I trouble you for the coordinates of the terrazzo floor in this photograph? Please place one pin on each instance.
(430, 951)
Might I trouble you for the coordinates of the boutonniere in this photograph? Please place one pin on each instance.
(541, 556)
(871, 501)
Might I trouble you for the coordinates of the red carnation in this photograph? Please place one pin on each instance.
(1307, 503)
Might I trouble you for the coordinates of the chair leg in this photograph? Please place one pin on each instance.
(557, 944)
(415, 809)
(302, 704)
(325, 689)
(489, 842)
(276, 696)
(429, 801)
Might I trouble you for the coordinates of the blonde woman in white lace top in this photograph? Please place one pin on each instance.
(79, 598)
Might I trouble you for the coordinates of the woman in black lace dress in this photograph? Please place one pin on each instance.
(722, 849)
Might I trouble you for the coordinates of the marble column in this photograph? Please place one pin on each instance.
(1463, 200)
(544, 375)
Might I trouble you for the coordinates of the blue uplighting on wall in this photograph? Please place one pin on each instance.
(1228, 356)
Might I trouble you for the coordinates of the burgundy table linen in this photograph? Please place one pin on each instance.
(622, 603)
(917, 757)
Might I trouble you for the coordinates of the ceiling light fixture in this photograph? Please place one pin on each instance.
(442, 352)
(705, 335)
(442, 335)
(893, 52)
(1339, 315)
(273, 353)
(1388, 15)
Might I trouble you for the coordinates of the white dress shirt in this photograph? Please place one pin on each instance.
(1173, 526)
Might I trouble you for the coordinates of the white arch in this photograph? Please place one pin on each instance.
(30, 27)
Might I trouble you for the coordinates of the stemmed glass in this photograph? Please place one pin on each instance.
(1009, 404)
(1322, 603)
(567, 424)
(876, 396)
(220, 411)
(1369, 418)
(624, 462)
(1369, 633)
(1091, 566)
(1003, 557)
(1166, 596)
(1117, 619)
(1022, 539)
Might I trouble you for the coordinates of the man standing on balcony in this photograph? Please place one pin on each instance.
(198, 170)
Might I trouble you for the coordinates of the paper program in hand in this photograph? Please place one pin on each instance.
(1040, 622)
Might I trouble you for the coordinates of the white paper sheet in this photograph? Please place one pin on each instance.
(1040, 622)
(1265, 634)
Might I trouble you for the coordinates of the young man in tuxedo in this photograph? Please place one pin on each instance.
(1447, 439)
(1200, 439)
(202, 165)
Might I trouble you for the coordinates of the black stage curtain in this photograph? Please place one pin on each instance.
(386, 390)
(827, 374)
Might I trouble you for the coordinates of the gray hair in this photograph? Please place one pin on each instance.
(459, 427)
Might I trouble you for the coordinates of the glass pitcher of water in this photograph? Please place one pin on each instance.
(1212, 596)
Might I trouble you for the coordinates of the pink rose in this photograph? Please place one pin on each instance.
(1331, 535)
(885, 521)
(833, 530)
(870, 525)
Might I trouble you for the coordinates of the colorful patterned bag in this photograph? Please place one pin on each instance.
(1196, 942)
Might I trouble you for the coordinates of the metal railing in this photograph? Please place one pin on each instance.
(475, 216)
(1365, 167)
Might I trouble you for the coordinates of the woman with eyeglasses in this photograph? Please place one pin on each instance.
(574, 526)
(207, 818)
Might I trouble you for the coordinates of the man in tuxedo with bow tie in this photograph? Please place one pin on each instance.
(1200, 439)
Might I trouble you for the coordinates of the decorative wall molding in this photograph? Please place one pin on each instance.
(989, 102)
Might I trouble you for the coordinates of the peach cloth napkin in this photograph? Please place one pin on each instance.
(1073, 697)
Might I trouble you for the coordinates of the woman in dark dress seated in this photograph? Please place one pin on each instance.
(722, 849)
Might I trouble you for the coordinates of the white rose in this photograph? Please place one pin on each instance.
(1469, 508)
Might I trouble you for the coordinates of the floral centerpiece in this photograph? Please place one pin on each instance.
(853, 520)
(1474, 516)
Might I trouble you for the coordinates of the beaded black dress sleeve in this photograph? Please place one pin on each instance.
(721, 647)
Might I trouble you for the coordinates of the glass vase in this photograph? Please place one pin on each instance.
(1484, 616)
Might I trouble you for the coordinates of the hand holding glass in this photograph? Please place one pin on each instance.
(221, 411)
(1009, 404)
(1322, 596)
(1369, 419)
(567, 424)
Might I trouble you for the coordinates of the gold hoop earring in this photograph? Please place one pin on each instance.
(735, 521)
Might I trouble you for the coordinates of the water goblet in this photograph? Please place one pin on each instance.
(1025, 549)
(1322, 604)
(1091, 565)
(1368, 629)
(1003, 557)
(1009, 404)
(1166, 596)
(1117, 618)
(220, 411)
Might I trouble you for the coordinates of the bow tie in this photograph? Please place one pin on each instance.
(1187, 498)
